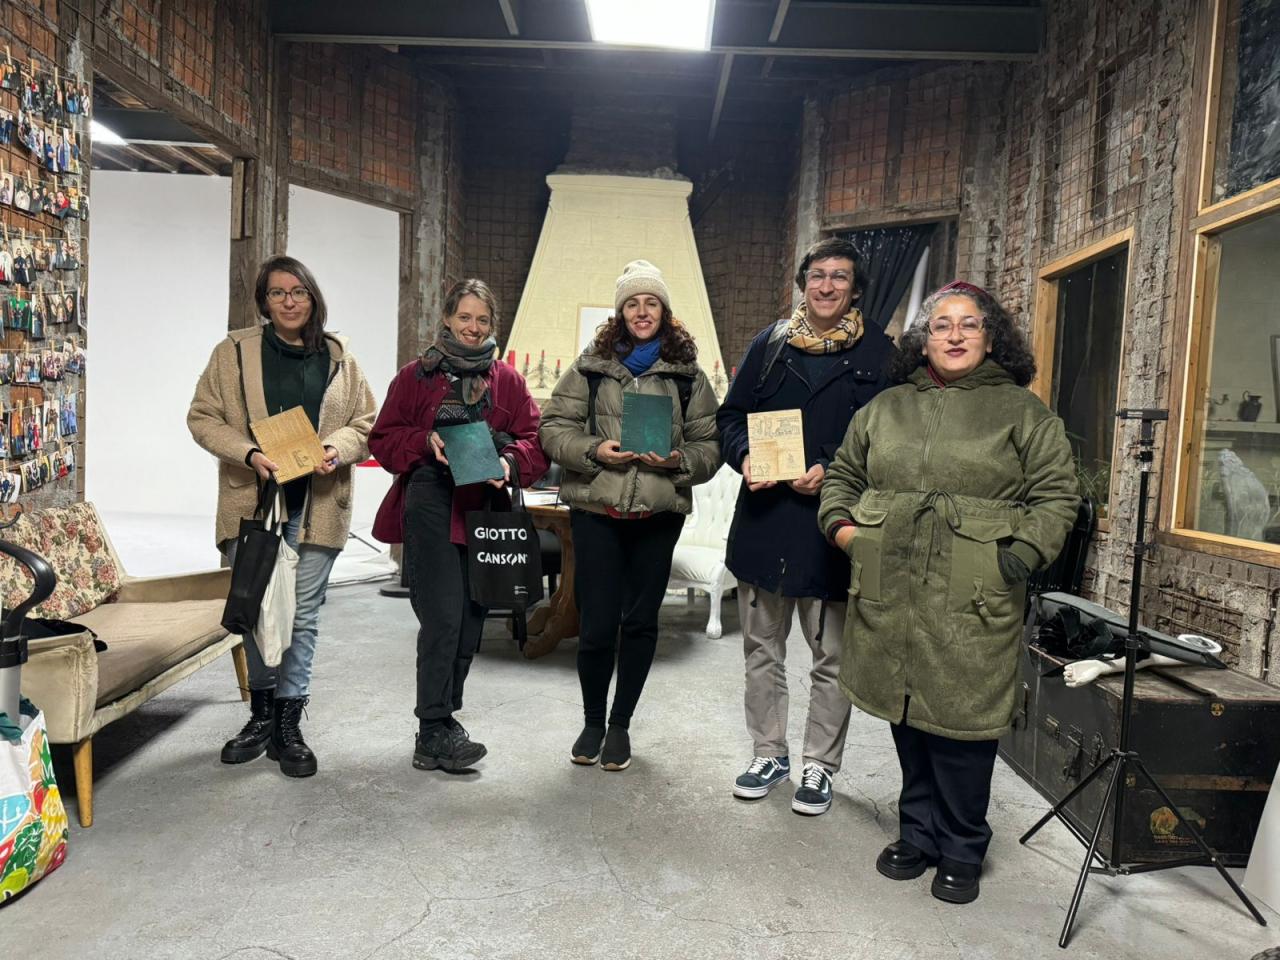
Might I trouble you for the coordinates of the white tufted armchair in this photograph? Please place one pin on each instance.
(698, 562)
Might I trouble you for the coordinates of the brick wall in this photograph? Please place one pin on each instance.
(44, 46)
(509, 149)
(1037, 161)
(744, 235)
(353, 116)
(205, 60)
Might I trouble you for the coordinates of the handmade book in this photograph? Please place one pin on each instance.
(646, 424)
(289, 441)
(469, 450)
(775, 441)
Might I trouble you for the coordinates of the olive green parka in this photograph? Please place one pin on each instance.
(633, 487)
(936, 481)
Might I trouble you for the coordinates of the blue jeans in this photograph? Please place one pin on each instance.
(292, 678)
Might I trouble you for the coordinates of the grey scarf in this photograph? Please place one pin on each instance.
(468, 364)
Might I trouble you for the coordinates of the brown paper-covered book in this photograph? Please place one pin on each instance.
(775, 441)
(290, 442)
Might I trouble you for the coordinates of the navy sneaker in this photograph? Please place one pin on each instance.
(762, 775)
(813, 796)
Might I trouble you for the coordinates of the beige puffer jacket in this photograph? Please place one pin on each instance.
(632, 487)
(219, 422)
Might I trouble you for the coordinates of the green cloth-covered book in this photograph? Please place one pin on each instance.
(469, 450)
(646, 424)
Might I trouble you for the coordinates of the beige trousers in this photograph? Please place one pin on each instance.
(766, 623)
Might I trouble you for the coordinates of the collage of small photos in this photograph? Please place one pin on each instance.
(44, 116)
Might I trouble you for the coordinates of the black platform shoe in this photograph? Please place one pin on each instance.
(901, 861)
(251, 742)
(286, 745)
(956, 882)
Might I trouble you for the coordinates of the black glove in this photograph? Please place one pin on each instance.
(1012, 567)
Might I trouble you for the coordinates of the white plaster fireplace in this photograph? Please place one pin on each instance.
(595, 225)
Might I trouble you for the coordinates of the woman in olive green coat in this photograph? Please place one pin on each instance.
(628, 508)
(949, 490)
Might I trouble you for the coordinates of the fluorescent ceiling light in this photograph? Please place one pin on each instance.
(683, 24)
(105, 135)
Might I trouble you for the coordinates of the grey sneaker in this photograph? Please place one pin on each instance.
(761, 776)
(813, 796)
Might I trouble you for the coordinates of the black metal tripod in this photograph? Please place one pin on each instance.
(1122, 759)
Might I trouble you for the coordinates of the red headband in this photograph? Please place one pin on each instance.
(961, 286)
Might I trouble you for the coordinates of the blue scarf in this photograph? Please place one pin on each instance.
(642, 356)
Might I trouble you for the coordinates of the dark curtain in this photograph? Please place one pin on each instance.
(889, 258)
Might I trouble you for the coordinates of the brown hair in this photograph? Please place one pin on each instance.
(475, 288)
(613, 340)
(313, 332)
(830, 247)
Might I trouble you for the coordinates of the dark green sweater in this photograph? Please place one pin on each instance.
(291, 377)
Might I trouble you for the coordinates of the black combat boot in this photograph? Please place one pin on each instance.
(287, 745)
(251, 742)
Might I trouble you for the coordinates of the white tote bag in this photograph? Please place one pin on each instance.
(275, 624)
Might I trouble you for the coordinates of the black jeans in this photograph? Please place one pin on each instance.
(440, 591)
(621, 576)
(946, 787)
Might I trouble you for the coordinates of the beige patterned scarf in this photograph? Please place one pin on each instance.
(840, 337)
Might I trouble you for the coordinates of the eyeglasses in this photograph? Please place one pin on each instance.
(838, 278)
(940, 327)
(299, 294)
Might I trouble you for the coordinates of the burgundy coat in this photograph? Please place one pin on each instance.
(399, 440)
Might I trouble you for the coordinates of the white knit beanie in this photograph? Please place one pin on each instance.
(640, 276)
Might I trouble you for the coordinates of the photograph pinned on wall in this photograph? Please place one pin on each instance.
(52, 366)
(17, 313)
(17, 434)
(39, 314)
(21, 192)
(49, 151)
(6, 187)
(46, 469)
(53, 418)
(42, 254)
(68, 421)
(6, 263)
(60, 468)
(67, 254)
(23, 263)
(62, 153)
(75, 358)
(31, 476)
(71, 97)
(10, 486)
(28, 370)
(71, 305)
(8, 128)
(6, 369)
(10, 76)
(41, 196)
(57, 310)
(33, 429)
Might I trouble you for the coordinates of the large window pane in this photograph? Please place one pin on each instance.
(1235, 488)
(1086, 367)
(1248, 135)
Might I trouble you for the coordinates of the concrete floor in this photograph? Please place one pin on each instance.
(534, 857)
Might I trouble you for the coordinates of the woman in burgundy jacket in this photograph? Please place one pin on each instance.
(457, 380)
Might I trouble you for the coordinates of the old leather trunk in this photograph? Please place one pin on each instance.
(1211, 738)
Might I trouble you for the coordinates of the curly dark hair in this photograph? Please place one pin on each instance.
(1008, 345)
(613, 340)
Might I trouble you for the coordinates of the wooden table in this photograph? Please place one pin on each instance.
(558, 619)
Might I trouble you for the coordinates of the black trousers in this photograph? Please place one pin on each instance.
(449, 623)
(946, 786)
(621, 576)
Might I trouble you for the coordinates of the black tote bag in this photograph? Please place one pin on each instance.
(257, 547)
(504, 556)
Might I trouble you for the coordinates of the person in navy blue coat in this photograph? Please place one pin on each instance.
(827, 362)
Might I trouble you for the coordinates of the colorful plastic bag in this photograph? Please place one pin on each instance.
(33, 821)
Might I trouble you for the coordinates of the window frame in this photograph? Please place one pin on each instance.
(1207, 221)
(1044, 337)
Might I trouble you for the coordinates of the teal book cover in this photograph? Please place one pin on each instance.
(469, 450)
(646, 424)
